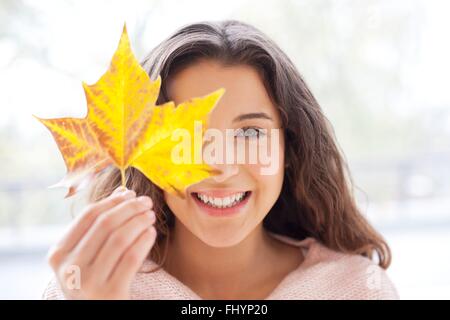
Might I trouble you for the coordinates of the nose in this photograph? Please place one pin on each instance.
(227, 171)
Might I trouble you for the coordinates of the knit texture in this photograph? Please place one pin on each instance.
(323, 274)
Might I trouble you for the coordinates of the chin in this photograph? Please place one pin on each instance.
(221, 237)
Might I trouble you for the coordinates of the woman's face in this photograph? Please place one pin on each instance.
(214, 209)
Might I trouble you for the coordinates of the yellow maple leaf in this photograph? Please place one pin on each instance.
(124, 127)
(156, 161)
(80, 149)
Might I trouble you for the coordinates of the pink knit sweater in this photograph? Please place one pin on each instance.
(323, 274)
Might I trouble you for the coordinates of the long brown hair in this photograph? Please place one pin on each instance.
(317, 195)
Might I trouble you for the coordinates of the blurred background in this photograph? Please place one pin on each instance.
(379, 69)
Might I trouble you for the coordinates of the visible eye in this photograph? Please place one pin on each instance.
(250, 132)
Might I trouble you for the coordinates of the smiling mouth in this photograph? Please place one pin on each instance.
(229, 201)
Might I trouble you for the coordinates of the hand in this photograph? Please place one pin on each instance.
(104, 247)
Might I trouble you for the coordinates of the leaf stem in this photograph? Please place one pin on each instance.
(122, 174)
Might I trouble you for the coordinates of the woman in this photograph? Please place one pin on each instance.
(293, 234)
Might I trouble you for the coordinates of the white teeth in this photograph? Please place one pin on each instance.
(226, 201)
(222, 202)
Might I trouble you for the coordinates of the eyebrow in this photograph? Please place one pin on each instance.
(255, 115)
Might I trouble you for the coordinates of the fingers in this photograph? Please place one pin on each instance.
(119, 190)
(81, 224)
(105, 224)
(118, 242)
(131, 261)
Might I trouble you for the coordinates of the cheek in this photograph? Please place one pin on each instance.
(270, 166)
(268, 178)
(177, 205)
(268, 187)
(272, 181)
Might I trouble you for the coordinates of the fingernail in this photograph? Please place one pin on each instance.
(120, 189)
(128, 193)
(151, 214)
(145, 200)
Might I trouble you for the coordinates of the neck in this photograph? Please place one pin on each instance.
(210, 269)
